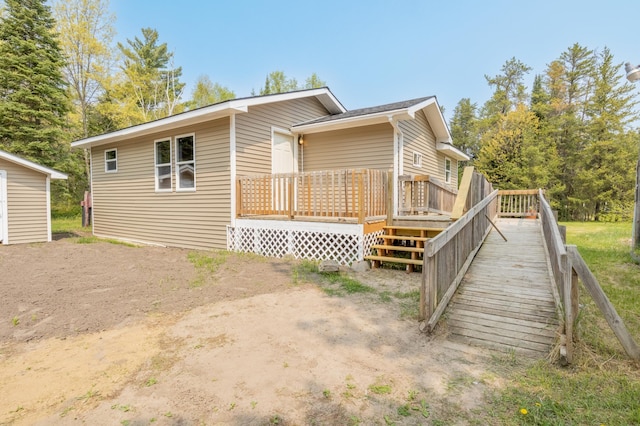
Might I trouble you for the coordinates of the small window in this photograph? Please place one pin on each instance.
(163, 165)
(111, 161)
(185, 162)
(447, 170)
(417, 159)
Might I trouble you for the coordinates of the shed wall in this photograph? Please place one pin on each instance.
(26, 204)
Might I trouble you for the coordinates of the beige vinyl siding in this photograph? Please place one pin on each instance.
(368, 147)
(26, 204)
(253, 131)
(419, 137)
(126, 205)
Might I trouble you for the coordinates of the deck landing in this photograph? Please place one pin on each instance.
(505, 300)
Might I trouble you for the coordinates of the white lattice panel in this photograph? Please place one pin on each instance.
(344, 248)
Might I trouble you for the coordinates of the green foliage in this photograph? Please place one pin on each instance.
(207, 93)
(278, 82)
(572, 139)
(33, 99)
(148, 86)
(464, 128)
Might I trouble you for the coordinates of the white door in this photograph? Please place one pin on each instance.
(3, 207)
(282, 161)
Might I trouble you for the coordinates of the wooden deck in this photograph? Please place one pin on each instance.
(505, 300)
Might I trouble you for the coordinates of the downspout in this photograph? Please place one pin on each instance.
(398, 138)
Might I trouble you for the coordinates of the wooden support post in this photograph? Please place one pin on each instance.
(239, 211)
(390, 196)
(429, 288)
(602, 302)
(291, 196)
(565, 263)
(361, 206)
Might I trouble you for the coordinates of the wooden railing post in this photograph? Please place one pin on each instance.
(239, 211)
(390, 196)
(361, 207)
(291, 195)
(565, 263)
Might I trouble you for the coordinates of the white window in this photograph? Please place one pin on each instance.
(185, 163)
(163, 165)
(417, 159)
(111, 161)
(447, 170)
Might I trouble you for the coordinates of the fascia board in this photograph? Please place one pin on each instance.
(31, 165)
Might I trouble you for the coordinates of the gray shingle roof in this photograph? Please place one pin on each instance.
(367, 111)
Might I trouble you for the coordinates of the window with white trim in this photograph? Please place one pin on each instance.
(417, 159)
(447, 170)
(185, 163)
(111, 160)
(163, 164)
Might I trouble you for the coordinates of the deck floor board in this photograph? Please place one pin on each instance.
(505, 300)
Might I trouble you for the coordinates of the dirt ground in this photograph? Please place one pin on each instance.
(102, 333)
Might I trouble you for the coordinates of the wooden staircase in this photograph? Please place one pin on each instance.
(402, 244)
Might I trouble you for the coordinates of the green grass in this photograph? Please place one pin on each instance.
(602, 386)
(67, 225)
(332, 283)
(206, 263)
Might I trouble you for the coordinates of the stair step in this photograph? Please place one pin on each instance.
(395, 260)
(412, 231)
(398, 248)
(412, 228)
(403, 237)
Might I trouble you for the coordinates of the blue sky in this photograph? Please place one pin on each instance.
(375, 52)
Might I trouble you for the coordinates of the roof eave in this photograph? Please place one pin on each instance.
(221, 110)
(205, 114)
(358, 121)
(54, 174)
(452, 151)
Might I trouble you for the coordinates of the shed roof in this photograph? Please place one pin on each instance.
(54, 174)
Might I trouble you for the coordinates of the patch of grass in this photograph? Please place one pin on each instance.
(93, 239)
(15, 321)
(380, 389)
(206, 263)
(602, 386)
(333, 283)
(66, 225)
(151, 381)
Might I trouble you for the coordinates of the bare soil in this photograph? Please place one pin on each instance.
(102, 333)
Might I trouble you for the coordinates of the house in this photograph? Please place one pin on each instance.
(25, 206)
(224, 176)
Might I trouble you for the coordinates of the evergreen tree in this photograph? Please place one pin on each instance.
(149, 86)
(464, 128)
(33, 97)
(604, 178)
(278, 82)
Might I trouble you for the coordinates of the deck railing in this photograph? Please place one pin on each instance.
(518, 203)
(448, 256)
(421, 194)
(339, 194)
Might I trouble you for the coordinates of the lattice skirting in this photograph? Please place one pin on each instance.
(344, 243)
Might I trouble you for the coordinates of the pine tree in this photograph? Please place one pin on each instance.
(33, 99)
(464, 131)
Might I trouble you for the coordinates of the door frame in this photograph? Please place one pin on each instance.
(4, 220)
(294, 147)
